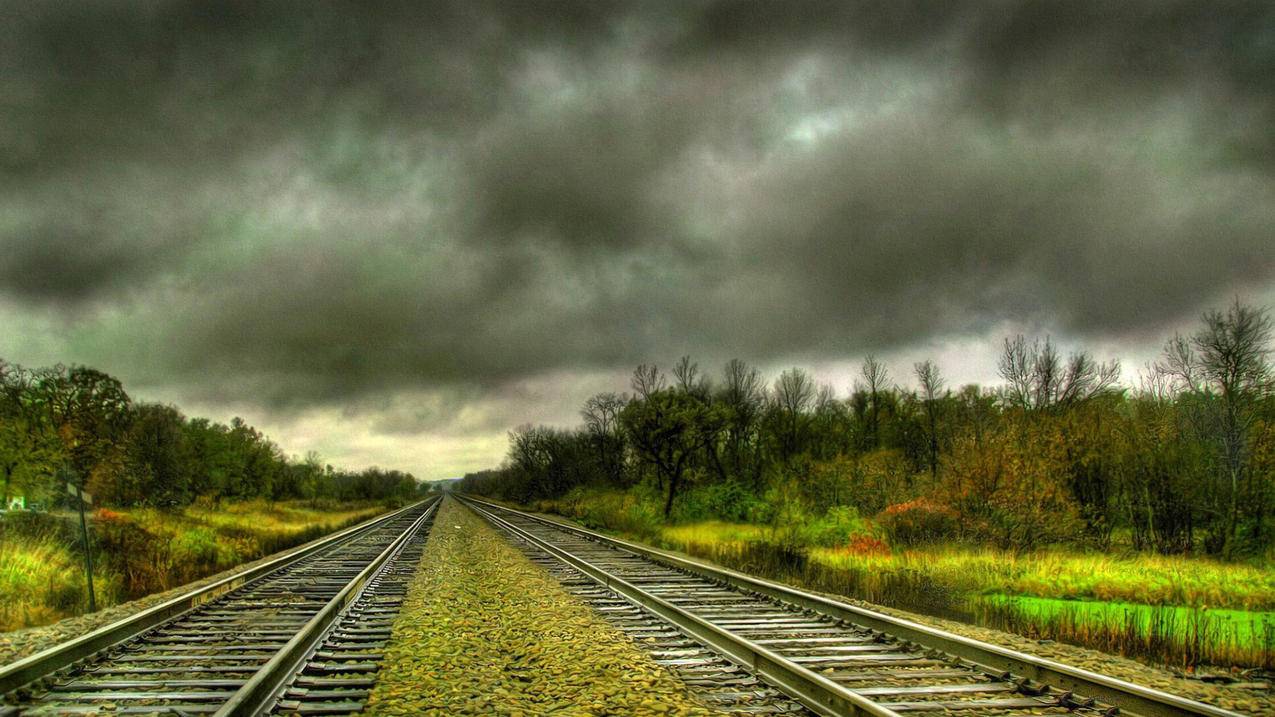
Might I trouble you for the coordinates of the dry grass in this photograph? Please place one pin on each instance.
(1063, 574)
(42, 580)
(1146, 579)
(141, 551)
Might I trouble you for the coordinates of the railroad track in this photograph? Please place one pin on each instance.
(301, 634)
(752, 645)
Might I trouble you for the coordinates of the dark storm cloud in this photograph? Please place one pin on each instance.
(309, 202)
(67, 263)
(1038, 61)
(921, 230)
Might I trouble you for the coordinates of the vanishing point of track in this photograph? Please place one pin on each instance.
(752, 645)
(300, 634)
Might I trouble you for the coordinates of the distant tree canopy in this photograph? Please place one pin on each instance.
(128, 453)
(1061, 452)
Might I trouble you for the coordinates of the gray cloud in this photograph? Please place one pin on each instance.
(311, 205)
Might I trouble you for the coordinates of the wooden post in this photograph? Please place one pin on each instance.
(82, 498)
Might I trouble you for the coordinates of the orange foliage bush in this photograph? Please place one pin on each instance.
(868, 545)
(918, 521)
(1009, 488)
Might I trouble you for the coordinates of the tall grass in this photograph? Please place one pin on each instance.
(958, 588)
(42, 575)
(629, 512)
(142, 551)
(157, 550)
(1146, 579)
(1170, 609)
(780, 560)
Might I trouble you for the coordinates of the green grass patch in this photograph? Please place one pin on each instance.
(1177, 634)
(1238, 627)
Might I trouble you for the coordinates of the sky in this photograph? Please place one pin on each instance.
(390, 232)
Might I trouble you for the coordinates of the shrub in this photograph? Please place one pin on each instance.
(787, 514)
(18, 525)
(918, 521)
(728, 501)
(132, 552)
(66, 596)
(879, 478)
(636, 512)
(839, 526)
(1008, 488)
(867, 545)
(195, 546)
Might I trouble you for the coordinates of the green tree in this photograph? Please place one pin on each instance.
(90, 413)
(668, 428)
(159, 460)
(29, 449)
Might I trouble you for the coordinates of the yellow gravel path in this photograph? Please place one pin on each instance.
(485, 631)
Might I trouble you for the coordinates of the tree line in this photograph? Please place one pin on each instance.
(79, 423)
(1061, 451)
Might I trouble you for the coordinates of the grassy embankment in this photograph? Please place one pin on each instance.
(141, 551)
(1181, 611)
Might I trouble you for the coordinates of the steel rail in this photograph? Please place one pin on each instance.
(262, 689)
(810, 688)
(1130, 698)
(45, 663)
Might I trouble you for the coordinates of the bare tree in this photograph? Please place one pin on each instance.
(690, 380)
(1016, 367)
(601, 413)
(601, 416)
(1226, 364)
(876, 380)
(829, 435)
(794, 392)
(927, 374)
(743, 384)
(743, 396)
(526, 451)
(647, 380)
(1038, 379)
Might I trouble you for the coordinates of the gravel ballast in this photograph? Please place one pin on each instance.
(485, 631)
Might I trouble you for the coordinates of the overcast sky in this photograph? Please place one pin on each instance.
(392, 234)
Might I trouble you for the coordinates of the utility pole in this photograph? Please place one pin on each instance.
(83, 498)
